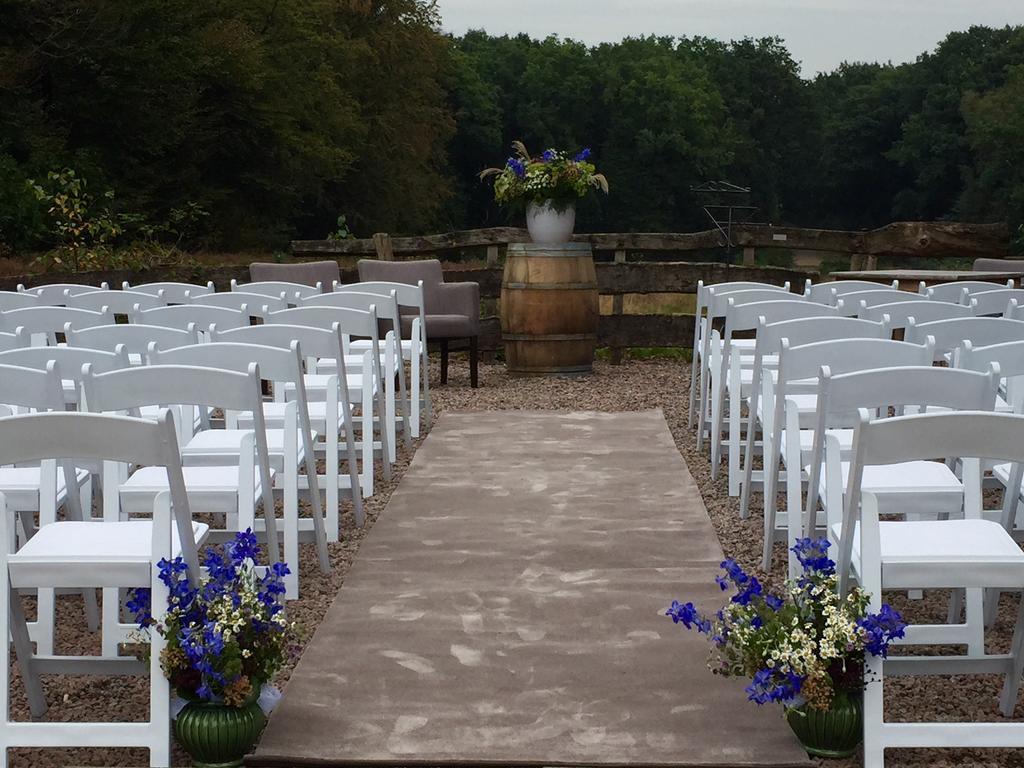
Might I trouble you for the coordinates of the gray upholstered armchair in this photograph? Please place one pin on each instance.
(452, 310)
(301, 272)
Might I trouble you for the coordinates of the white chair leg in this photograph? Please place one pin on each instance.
(366, 419)
(291, 528)
(735, 402)
(390, 412)
(975, 616)
(874, 744)
(414, 389)
(1011, 684)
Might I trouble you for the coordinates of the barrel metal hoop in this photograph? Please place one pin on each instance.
(549, 286)
(548, 337)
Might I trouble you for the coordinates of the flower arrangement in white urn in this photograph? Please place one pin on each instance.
(549, 186)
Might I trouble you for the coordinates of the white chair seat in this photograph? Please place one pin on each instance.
(316, 385)
(971, 553)
(274, 414)
(20, 486)
(227, 442)
(118, 554)
(210, 489)
(845, 437)
(806, 404)
(912, 487)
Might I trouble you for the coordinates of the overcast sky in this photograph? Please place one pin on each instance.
(820, 34)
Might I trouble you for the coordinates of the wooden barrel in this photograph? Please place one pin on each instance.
(549, 309)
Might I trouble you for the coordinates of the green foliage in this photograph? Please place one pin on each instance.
(238, 124)
(341, 230)
(551, 176)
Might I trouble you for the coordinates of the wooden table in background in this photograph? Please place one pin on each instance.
(909, 279)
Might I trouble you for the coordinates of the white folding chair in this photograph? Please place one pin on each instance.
(193, 318)
(171, 292)
(17, 300)
(735, 374)
(118, 302)
(54, 294)
(856, 300)
(412, 337)
(293, 292)
(995, 303)
(14, 340)
(70, 360)
(766, 358)
(954, 292)
(950, 334)
(386, 307)
(716, 303)
(969, 553)
(290, 446)
(701, 327)
(256, 304)
(899, 313)
(914, 489)
(42, 324)
(41, 488)
(1009, 359)
(232, 490)
(830, 292)
(135, 338)
(368, 382)
(79, 554)
(330, 417)
(791, 394)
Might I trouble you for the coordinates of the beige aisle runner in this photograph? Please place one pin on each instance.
(507, 609)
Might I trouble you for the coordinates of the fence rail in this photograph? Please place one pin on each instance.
(901, 239)
(621, 277)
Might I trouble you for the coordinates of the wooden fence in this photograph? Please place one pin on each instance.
(628, 265)
(633, 264)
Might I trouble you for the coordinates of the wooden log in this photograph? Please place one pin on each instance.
(624, 331)
(956, 239)
(947, 239)
(682, 276)
(618, 300)
(383, 247)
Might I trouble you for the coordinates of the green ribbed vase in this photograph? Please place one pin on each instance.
(216, 735)
(834, 732)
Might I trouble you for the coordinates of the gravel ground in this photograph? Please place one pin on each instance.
(633, 386)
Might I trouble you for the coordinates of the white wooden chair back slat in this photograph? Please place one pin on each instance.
(171, 292)
(899, 313)
(118, 302)
(192, 317)
(950, 334)
(293, 292)
(993, 303)
(134, 337)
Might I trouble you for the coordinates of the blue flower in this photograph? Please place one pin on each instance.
(734, 572)
(768, 686)
(812, 554)
(518, 166)
(584, 154)
(244, 547)
(751, 589)
(139, 602)
(722, 583)
(687, 615)
(549, 155)
(882, 628)
(773, 602)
